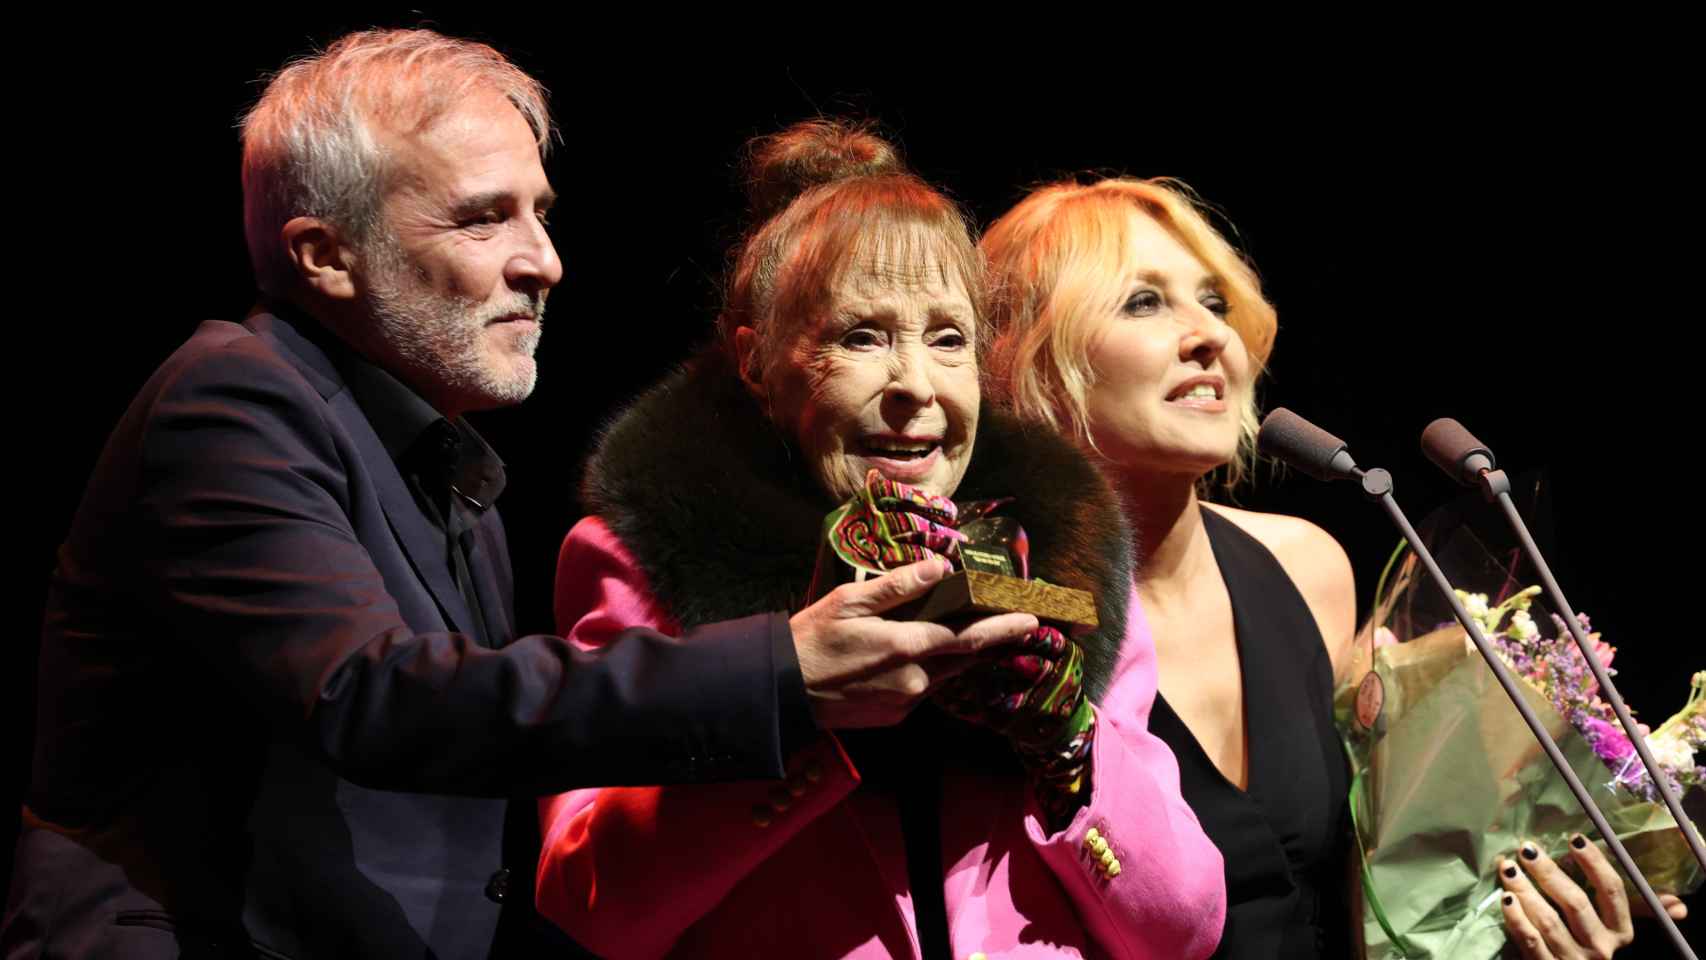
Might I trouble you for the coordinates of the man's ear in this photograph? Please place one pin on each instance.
(320, 256)
(747, 360)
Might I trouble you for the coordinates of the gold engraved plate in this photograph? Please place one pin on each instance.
(986, 560)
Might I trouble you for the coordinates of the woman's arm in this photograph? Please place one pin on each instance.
(626, 870)
(1144, 878)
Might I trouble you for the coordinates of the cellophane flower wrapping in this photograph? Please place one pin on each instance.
(1448, 778)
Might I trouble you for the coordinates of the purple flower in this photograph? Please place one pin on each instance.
(1609, 741)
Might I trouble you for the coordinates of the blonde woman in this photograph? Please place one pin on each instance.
(1123, 319)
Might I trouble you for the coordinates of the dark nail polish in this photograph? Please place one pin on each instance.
(1510, 872)
(1579, 842)
(1509, 899)
(1530, 852)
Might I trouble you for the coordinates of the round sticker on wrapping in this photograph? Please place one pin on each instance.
(1371, 697)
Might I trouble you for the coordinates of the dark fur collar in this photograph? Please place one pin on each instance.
(722, 517)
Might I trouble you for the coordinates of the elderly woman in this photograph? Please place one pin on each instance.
(1129, 323)
(848, 372)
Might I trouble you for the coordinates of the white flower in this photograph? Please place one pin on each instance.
(1475, 603)
(1522, 599)
(1672, 753)
(1522, 626)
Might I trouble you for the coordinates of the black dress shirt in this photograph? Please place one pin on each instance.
(452, 472)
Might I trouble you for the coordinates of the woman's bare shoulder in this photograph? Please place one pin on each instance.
(1317, 564)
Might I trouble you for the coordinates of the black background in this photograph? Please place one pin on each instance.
(1443, 235)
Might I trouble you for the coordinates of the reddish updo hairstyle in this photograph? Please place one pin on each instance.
(826, 195)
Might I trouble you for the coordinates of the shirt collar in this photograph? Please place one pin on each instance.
(478, 475)
(409, 426)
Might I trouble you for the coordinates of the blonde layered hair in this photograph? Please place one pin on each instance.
(1058, 264)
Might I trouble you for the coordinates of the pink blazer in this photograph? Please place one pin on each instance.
(813, 867)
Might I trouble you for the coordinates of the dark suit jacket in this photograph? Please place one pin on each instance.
(259, 721)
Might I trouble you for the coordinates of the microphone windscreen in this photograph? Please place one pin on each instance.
(1289, 437)
(1452, 448)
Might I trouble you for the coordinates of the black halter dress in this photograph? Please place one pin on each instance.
(1285, 837)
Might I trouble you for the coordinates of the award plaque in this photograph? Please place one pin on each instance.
(887, 525)
(994, 578)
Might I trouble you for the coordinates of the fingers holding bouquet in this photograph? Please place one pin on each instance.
(1549, 915)
(1424, 757)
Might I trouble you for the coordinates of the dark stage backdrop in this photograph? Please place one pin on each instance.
(1510, 247)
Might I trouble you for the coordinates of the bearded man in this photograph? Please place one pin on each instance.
(282, 702)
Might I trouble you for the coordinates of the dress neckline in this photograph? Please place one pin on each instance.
(1210, 529)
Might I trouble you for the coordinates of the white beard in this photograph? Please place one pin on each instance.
(439, 337)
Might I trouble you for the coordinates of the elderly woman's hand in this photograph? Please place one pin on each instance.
(1033, 694)
(889, 524)
(1022, 692)
(1590, 927)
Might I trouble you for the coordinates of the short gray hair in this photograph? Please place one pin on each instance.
(309, 147)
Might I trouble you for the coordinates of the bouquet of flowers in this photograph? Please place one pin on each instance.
(1555, 667)
(1447, 777)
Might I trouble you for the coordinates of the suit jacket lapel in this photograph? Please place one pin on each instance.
(424, 546)
(500, 628)
(414, 532)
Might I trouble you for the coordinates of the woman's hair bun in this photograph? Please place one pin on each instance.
(783, 165)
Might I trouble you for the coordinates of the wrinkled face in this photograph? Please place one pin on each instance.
(885, 377)
(1170, 376)
(457, 276)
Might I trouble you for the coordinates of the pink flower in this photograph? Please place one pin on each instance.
(1609, 741)
(1384, 637)
(1603, 651)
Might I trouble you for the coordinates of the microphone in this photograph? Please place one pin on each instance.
(1456, 451)
(1287, 436)
(1309, 448)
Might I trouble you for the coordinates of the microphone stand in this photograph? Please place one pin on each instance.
(1377, 483)
(1496, 486)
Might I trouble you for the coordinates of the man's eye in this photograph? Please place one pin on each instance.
(1142, 303)
(490, 218)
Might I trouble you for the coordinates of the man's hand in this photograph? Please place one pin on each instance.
(863, 671)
